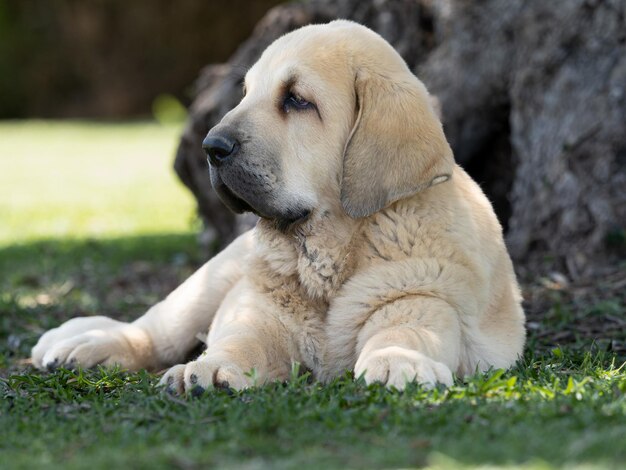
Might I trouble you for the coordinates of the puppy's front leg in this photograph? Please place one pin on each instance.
(247, 345)
(162, 336)
(412, 339)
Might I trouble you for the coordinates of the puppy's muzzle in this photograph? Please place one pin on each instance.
(220, 148)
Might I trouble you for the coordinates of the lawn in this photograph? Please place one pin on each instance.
(93, 220)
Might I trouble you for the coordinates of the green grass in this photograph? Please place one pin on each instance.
(93, 221)
(554, 410)
(81, 179)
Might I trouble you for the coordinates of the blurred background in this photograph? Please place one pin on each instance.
(105, 201)
(93, 97)
(112, 58)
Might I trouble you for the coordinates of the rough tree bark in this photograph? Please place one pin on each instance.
(533, 95)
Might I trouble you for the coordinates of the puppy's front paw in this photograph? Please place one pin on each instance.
(395, 367)
(89, 341)
(197, 376)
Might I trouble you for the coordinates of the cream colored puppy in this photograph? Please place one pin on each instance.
(374, 253)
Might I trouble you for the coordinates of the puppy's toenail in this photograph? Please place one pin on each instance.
(197, 391)
(170, 380)
(52, 365)
(225, 387)
(193, 378)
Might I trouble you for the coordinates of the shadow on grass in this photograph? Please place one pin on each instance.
(65, 253)
(44, 283)
(559, 409)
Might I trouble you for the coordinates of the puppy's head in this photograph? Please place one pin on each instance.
(331, 117)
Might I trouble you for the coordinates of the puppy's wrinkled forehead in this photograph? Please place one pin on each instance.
(330, 52)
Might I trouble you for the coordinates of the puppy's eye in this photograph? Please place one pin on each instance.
(293, 101)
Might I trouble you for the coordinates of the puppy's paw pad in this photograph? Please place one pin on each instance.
(396, 366)
(173, 380)
(232, 377)
(197, 391)
(198, 376)
(52, 364)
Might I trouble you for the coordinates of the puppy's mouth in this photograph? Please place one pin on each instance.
(283, 221)
(230, 200)
(291, 219)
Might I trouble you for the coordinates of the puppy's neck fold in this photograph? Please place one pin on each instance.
(319, 253)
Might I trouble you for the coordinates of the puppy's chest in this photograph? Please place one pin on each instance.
(303, 316)
(301, 277)
(314, 265)
(400, 232)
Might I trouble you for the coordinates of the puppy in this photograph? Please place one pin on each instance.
(374, 252)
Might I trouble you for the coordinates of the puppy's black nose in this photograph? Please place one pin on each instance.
(219, 147)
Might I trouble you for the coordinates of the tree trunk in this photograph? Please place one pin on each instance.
(533, 96)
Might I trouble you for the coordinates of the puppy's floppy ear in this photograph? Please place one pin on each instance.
(397, 146)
